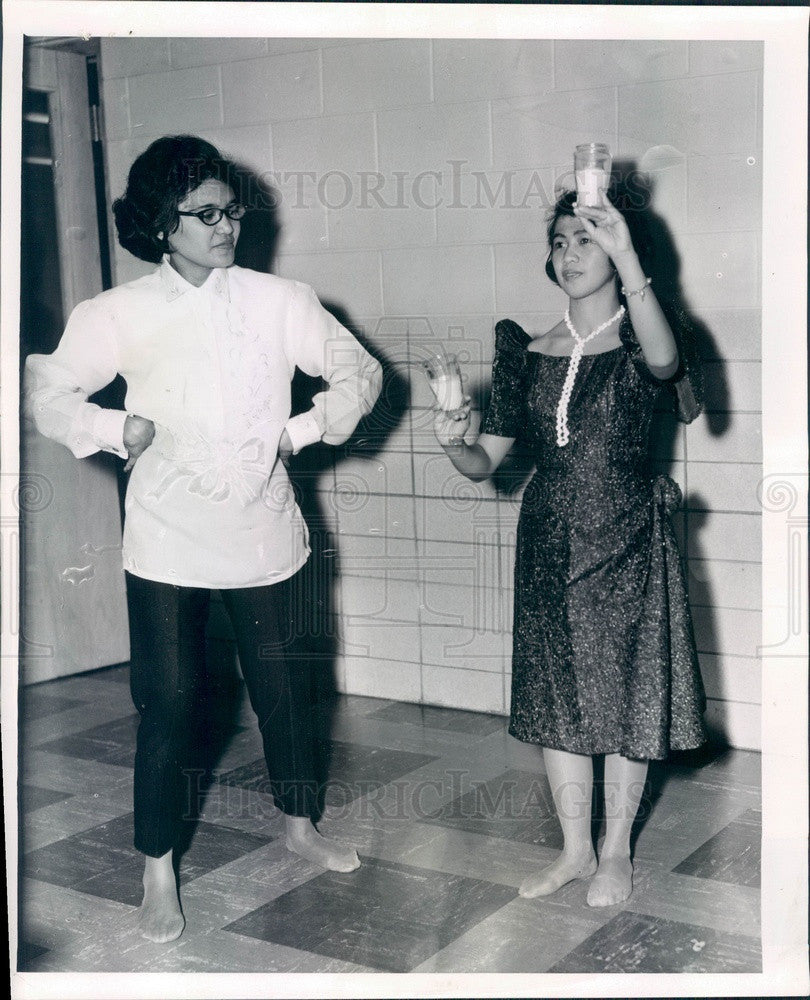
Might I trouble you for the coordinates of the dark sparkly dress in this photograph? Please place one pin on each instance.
(604, 656)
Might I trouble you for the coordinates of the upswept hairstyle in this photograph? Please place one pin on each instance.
(159, 179)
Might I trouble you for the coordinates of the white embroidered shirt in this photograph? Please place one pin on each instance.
(209, 502)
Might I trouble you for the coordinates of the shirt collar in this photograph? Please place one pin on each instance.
(174, 284)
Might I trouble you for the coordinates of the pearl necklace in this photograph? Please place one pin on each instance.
(573, 368)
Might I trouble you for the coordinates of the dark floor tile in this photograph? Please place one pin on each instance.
(633, 942)
(354, 769)
(114, 742)
(27, 955)
(111, 743)
(102, 861)
(38, 704)
(31, 797)
(731, 855)
(445, 719)
(717, 767)
(384, 916)
(516, 805)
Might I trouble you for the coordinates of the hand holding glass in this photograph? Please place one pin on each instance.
(452, 416)
(444, 378)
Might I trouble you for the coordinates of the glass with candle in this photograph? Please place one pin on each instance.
(592, 163)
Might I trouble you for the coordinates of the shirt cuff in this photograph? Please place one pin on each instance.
(108, 431)
(303, 429)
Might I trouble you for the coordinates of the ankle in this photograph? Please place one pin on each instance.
(159, 870)
(298, 827)
(618, 852)
(577, 853)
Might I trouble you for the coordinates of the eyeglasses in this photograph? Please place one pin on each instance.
(211, 216)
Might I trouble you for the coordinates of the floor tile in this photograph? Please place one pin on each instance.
(431, 717)
(632, 942)
(657, 892)
(353, 770)
(28, 955)
(31, 797)
(389, 917)
(525, 936)
(732, 855)
(111, 743)
(517, 805)
(102, 861)
(38, 704)
(221, 951)
(449, 813)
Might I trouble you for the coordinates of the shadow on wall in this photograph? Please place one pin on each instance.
(257, 249)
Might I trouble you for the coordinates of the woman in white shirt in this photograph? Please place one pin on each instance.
(208, 351)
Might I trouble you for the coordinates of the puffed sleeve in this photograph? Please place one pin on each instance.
(685, 384)
(57, 386)
(320, 346)
(505, 416)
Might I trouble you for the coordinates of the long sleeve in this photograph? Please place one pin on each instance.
(320, 346)
(58, 386)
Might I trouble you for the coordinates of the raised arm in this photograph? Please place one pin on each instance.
(608, 228)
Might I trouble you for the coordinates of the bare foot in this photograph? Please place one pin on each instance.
(160, 918)
(304, 839)
(613, 882)
(558, 874)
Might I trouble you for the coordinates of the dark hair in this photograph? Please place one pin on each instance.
(159, 179)
(627, 201)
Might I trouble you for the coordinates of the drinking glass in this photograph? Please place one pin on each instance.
(592, 163)
(444, 378)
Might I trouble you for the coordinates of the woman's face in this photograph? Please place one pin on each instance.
(581, 266)
(196, 249)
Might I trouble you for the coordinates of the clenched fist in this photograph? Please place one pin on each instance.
(138, 435)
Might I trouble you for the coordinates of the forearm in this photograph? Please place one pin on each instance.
(650, 325)
(60, 411)
(471, 460)
(352, 393)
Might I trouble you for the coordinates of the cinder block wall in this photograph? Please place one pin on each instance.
(414, 178)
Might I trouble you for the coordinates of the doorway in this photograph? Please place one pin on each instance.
(73, 604)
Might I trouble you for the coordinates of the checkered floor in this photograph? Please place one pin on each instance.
(448, 814)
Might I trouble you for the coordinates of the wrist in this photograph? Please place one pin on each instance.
(627, 264)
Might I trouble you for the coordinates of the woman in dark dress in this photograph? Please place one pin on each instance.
(604, 657)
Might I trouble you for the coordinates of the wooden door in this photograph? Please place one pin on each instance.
(73, 608)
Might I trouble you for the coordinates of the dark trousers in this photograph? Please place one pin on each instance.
(167, 637)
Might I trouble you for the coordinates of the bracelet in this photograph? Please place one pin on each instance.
(455, 441)
(641, 292)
